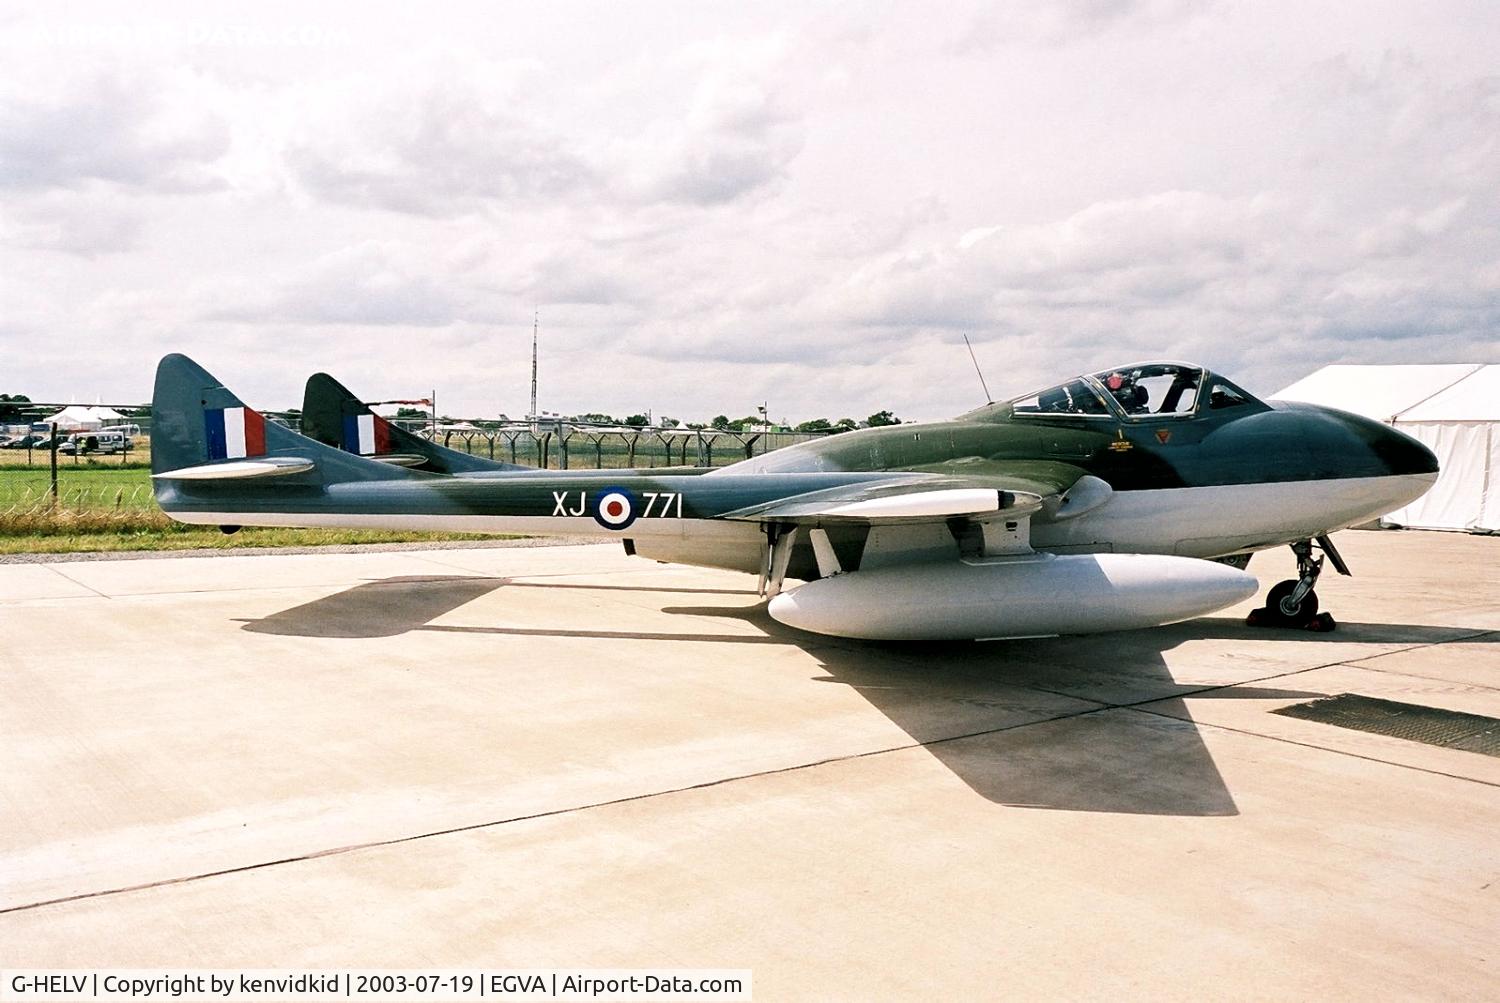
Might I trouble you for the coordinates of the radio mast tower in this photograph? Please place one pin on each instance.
(533, 367)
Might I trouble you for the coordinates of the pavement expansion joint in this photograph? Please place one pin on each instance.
(553, 813)
(83, 585)
(1145, 706)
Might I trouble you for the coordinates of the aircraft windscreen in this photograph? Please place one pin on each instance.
(1156, 389)
(1076, 397)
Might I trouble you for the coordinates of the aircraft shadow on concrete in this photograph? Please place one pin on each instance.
(388, 607)
(990, 713)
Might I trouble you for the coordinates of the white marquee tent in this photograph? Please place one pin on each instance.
(1453, 409)
(73, 418)
(81, 418)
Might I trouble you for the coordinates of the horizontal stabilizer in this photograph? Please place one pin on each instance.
(261, 466)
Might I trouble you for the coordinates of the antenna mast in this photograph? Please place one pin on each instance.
(988, 399)
(534, 320)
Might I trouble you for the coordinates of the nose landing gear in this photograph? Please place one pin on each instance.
(1293, 603)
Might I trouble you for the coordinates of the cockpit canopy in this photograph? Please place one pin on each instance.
(1152, 390)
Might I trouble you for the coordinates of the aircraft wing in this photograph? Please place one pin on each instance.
(890, 502)
(978, 490)
(987, 506)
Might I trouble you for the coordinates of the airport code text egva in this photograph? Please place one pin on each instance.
(264, 984)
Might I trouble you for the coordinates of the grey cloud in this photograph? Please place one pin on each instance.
(1393, 133)
(111, 126)
(439, 153)
(1185, 273)
(446, 144)
(369, 284)
(85, 224)
(1062, 22)
(579, 278)
(735, 139)
(1125, 254)
(726, 223)
(714, 167)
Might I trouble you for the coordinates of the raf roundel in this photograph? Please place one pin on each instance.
(615, 508)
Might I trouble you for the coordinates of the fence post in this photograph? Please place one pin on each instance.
(52, 447)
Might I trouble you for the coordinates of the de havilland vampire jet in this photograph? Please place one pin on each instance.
(1127, 498)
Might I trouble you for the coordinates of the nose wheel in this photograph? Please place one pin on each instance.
(1293, 603)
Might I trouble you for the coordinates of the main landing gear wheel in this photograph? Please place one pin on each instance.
(1292, 612)
(1293, 603)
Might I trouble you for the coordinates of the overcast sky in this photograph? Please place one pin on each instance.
(715, 205)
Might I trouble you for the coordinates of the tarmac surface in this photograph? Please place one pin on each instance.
(564, 757)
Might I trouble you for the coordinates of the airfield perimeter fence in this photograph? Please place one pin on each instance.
(559, 446)
(117, 488)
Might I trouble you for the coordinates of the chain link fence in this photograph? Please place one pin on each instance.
(84, 505)
(552, 446)
(560, 446)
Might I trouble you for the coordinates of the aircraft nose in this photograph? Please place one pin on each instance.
(1399, 452)
(1396, 467)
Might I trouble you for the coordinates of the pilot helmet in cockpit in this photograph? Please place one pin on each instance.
(1131, 395)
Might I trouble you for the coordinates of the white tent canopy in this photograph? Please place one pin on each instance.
(84, 418)
(1379, 392)
(1454, 410)
(75, 417)
(1475, 398)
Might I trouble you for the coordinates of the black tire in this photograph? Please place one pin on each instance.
(1304, 611)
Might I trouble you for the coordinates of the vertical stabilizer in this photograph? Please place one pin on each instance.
(201, 431)
(333, 415)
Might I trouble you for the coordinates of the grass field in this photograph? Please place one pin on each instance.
(106, 508)
(106, 503)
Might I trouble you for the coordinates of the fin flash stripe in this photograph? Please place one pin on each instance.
(367, 434)
(234, 433)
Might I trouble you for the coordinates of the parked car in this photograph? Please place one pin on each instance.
(101, 442)
(31, 440)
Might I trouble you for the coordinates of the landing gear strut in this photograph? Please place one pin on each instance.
(1293, 603)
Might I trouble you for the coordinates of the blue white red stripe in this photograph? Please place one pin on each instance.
(367, 434)
(234, 433)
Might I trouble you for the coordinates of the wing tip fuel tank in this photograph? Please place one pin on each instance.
(1038, 595)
